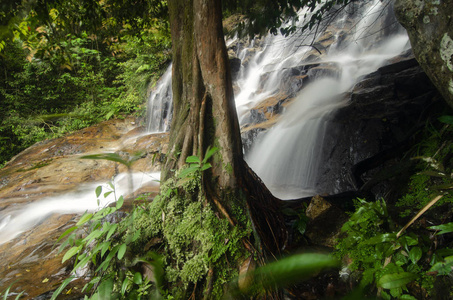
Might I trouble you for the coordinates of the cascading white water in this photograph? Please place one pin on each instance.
(287, 157)
(83, 199)
(159, 109)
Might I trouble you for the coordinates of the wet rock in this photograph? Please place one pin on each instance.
(383, 112)
(235, 66)
(325, 222)
(54, 168)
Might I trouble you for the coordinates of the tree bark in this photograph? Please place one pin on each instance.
(204, 110)
(205, 115)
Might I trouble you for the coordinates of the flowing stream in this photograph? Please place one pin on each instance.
(285, 156)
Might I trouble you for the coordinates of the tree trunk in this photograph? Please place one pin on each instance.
(204, 114)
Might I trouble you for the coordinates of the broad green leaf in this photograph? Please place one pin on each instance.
(193, 159)
(186, 172)
(396, 280)
(138, 278)
(61, 287)
(107, 194)
(443, 267)
(122, 251)
(444, 228)
(415, 254)
(294, 268)
(381, 238)
(66, 233)
(105, 289)
(85, 218)
(446, 119)
(98, 191)
(120, 202)
(206, 166)
(70, 253)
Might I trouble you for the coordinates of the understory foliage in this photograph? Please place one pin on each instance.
(55, 79)
(405, 254)
(176, 238)
(163, 249)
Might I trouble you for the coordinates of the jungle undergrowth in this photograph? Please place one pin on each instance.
(176, 238)
(416, 262)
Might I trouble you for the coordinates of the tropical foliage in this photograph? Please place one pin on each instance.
(71, 66)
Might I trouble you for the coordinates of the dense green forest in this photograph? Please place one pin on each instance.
(59, 74)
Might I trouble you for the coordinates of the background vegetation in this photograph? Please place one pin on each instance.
(57, 76)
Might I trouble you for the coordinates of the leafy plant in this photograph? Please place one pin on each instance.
(197, 165)
(103, 246)
(5, 294)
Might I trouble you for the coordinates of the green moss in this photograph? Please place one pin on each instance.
(195, 239)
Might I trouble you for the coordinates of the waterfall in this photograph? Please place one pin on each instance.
(81, 200)
(159, 109)
(287, 156)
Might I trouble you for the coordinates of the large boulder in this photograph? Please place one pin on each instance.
(429, 25)
(385, 110)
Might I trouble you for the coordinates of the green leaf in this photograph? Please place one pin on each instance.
(70, 253)
(66, 233)
(415, 254)
(446, 119)
(82, 263)
(396, 280)
(125, 286)
(381, 238)
(193, 159)
(107, 194)
(61, 287)
(93, 235)
(111, 231)
(138, 278)
(294, 268)
(443, 267)
(105, 247)
(209, 152)
(206, 166)
(105, 289)
(186, 172)
(19, 295)
(120, 202)
(444, 228)
(98, 191)
(6, 293)
(85, 218)
(122, 251)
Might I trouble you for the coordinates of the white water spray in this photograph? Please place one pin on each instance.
(83, 199)
(287, 157)
(159, 109)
